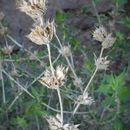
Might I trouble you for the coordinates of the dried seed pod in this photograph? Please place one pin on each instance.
(108, 42)
(65, 51)
(78, 82)
(41, 34)
(55, 123)
(85, 99)
(100, 34)
(102, 63)
(33, 8)
(55, 80)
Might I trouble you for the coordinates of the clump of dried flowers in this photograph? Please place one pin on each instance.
(33, 8)
(53, 81)
(85, 99)
(42, 34)
(102, 63)
(65, 50)
(55, 124)
(100, 34)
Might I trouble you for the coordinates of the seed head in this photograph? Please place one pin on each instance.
(33, 8)
(41, 34)
(100, 34)
(102, 63)
(85, 100)
(78, 82)
(55, 80)
(55, 123)
(7, 50)
(65, 51)
(108, 42)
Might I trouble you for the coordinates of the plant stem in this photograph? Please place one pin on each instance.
(98, 17)
(58, 40)
(102, 49)
(38, 127)
(90, 80)
(72, 69)
(13, 40)
(49, 55)
(76, 108)
(61, 105)
(11, 78)
(2, 80)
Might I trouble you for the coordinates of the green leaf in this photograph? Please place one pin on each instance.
(88, 64)
(126, 22)
(105, 89)
(42, 90)
(124, 93)
(59, 16)
(120, 35)
(34, 92)
(117, 125)
(116, 1)
(36, 109)
(20, 121)
(74, 41)
(84, 9)
(107, 101)
(40, 53)
(29, 104)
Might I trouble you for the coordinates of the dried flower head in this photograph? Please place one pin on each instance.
(55, 124)
(65, 51)
(41, 34)
(108, 42)
(55, 80)
(7, 50)
(70, 126)
(102, 63)
(3, 30)
(1, 15)
(78, 82)
(100, 34)
(33, 8)
(85, 99)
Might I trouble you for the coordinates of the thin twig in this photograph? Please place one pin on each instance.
(12, 39)
(11, 78)
(61, 105)
(49, 55)
(2, 80)
(91, 79)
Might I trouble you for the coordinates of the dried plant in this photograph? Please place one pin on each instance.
(53, 81)
(33, 8)
(42, 33)
(54, 124)
(65, 51)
